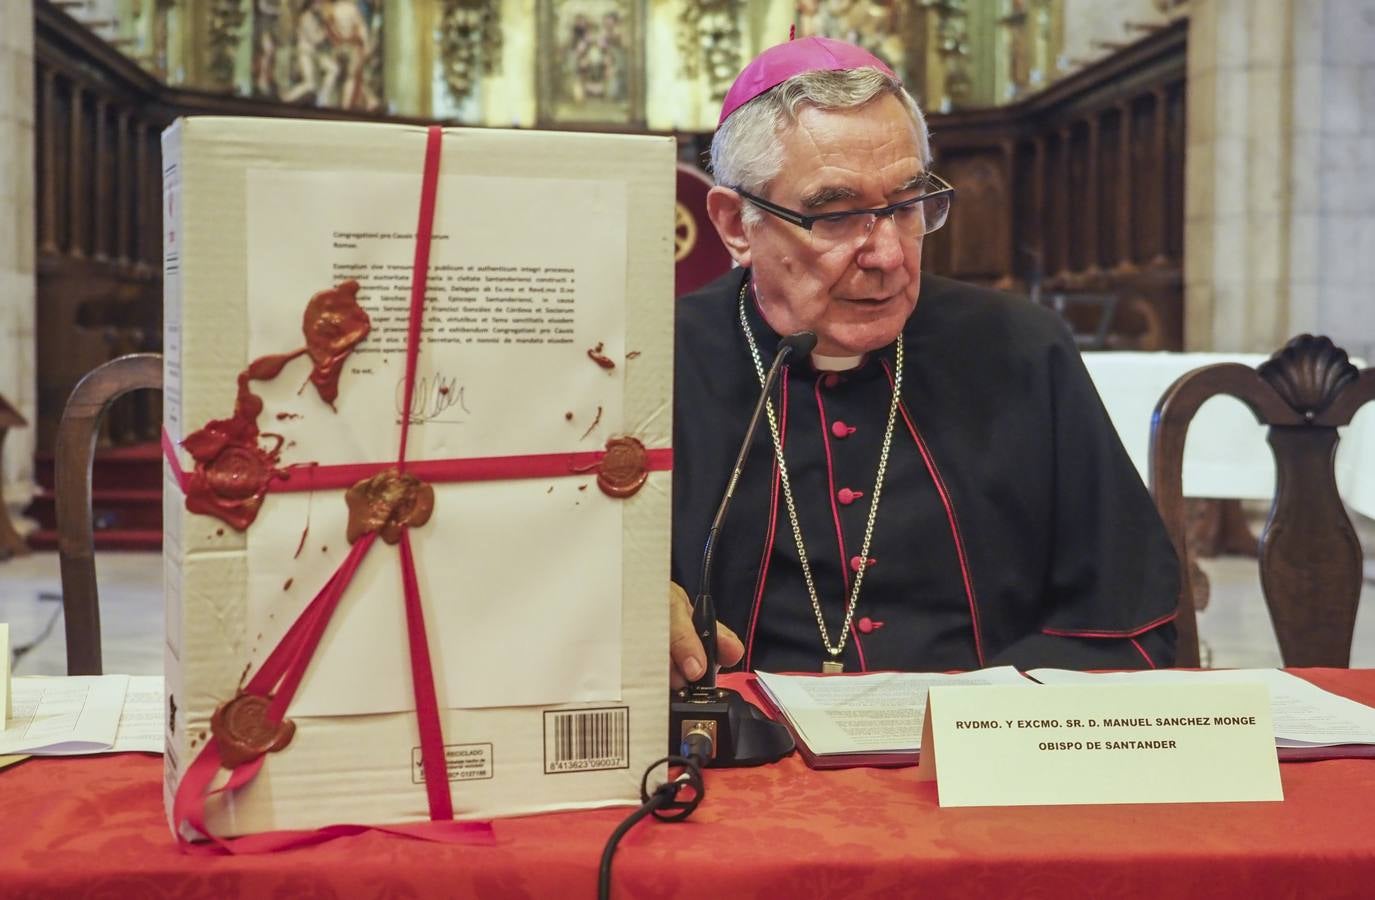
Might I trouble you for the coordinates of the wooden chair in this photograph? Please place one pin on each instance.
(76, 438)
(699, 257)
(1310, 557)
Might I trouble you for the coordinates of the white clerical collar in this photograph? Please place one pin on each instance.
(835, 363)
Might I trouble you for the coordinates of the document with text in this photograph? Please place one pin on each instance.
(860, 720)
(1304, 715)
(70, 715)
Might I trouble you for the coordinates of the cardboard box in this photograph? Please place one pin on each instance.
(544, 596)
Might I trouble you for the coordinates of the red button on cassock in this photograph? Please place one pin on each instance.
(847, 496)
(831, 380)
(855, 562)
(841, 430)
(867, 625)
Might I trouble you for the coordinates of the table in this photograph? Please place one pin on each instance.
(93, 827)
(1226, 454)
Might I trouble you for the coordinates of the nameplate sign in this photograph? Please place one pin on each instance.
(1074, 744)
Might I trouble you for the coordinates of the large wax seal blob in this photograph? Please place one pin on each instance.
(386, 503)
(334, 324)
(233, 470)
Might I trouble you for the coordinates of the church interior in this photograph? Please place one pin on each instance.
(1178, 179)
(533, 273)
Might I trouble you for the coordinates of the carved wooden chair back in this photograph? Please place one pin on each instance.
(76, 437)
(699, 257)
(1310, 557)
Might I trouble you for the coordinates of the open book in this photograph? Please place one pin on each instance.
(876, 719)
(65, 716)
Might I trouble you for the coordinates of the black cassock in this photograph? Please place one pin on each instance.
(1012, 526)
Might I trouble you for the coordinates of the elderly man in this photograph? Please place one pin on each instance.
(944, 489)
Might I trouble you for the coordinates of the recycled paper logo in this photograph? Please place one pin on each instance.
(466, 762)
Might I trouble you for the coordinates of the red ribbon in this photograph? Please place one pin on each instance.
(311, 477)
(169, 453)
(422, 675)
(281, 673)
(420, 274)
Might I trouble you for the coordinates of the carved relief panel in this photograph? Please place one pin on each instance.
(709, 43)
(319, 52)
(470, 41)
(591, 62)
(879, 26)
(975, 234)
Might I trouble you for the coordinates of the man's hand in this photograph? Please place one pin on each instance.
(689, 659)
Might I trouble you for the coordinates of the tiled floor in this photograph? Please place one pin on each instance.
(130, 612)
(1235, 627)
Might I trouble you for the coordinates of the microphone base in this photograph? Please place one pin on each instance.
(741, 735)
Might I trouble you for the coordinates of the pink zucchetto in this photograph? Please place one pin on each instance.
(777, 64)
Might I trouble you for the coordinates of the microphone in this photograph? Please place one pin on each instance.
(733, 732)
(703, 609)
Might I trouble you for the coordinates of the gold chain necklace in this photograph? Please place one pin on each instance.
(834, 663)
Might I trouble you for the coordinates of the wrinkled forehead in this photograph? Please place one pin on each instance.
(879, 133)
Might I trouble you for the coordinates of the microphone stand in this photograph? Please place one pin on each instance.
(737, 733)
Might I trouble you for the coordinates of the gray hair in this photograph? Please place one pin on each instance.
(745, 153)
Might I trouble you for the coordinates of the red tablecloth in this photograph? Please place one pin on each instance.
(93, 828)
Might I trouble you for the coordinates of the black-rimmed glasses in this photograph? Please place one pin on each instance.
(913, 217)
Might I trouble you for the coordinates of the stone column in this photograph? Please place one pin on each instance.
(17, 372)
(1280, 188)
(1332, 173)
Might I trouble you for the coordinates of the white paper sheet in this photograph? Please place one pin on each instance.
(866, 713)
(141, 719)
(519, 579)
(1304, 714)
(59, 716)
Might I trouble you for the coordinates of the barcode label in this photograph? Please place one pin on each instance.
(586, 740)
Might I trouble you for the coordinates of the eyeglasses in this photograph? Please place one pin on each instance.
(913, 218)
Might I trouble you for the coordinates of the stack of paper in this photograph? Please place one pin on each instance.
(876, 720)
(863, 720)
(1309, 721)
(85, 714)
(544, 343)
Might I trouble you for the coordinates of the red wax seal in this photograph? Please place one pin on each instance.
(624, 468)
(334, 324)
(232, 471)
(386, 503)
(243, 732)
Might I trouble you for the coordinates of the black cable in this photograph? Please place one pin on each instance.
(663, 803)
(604, 875)
(19, 651)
